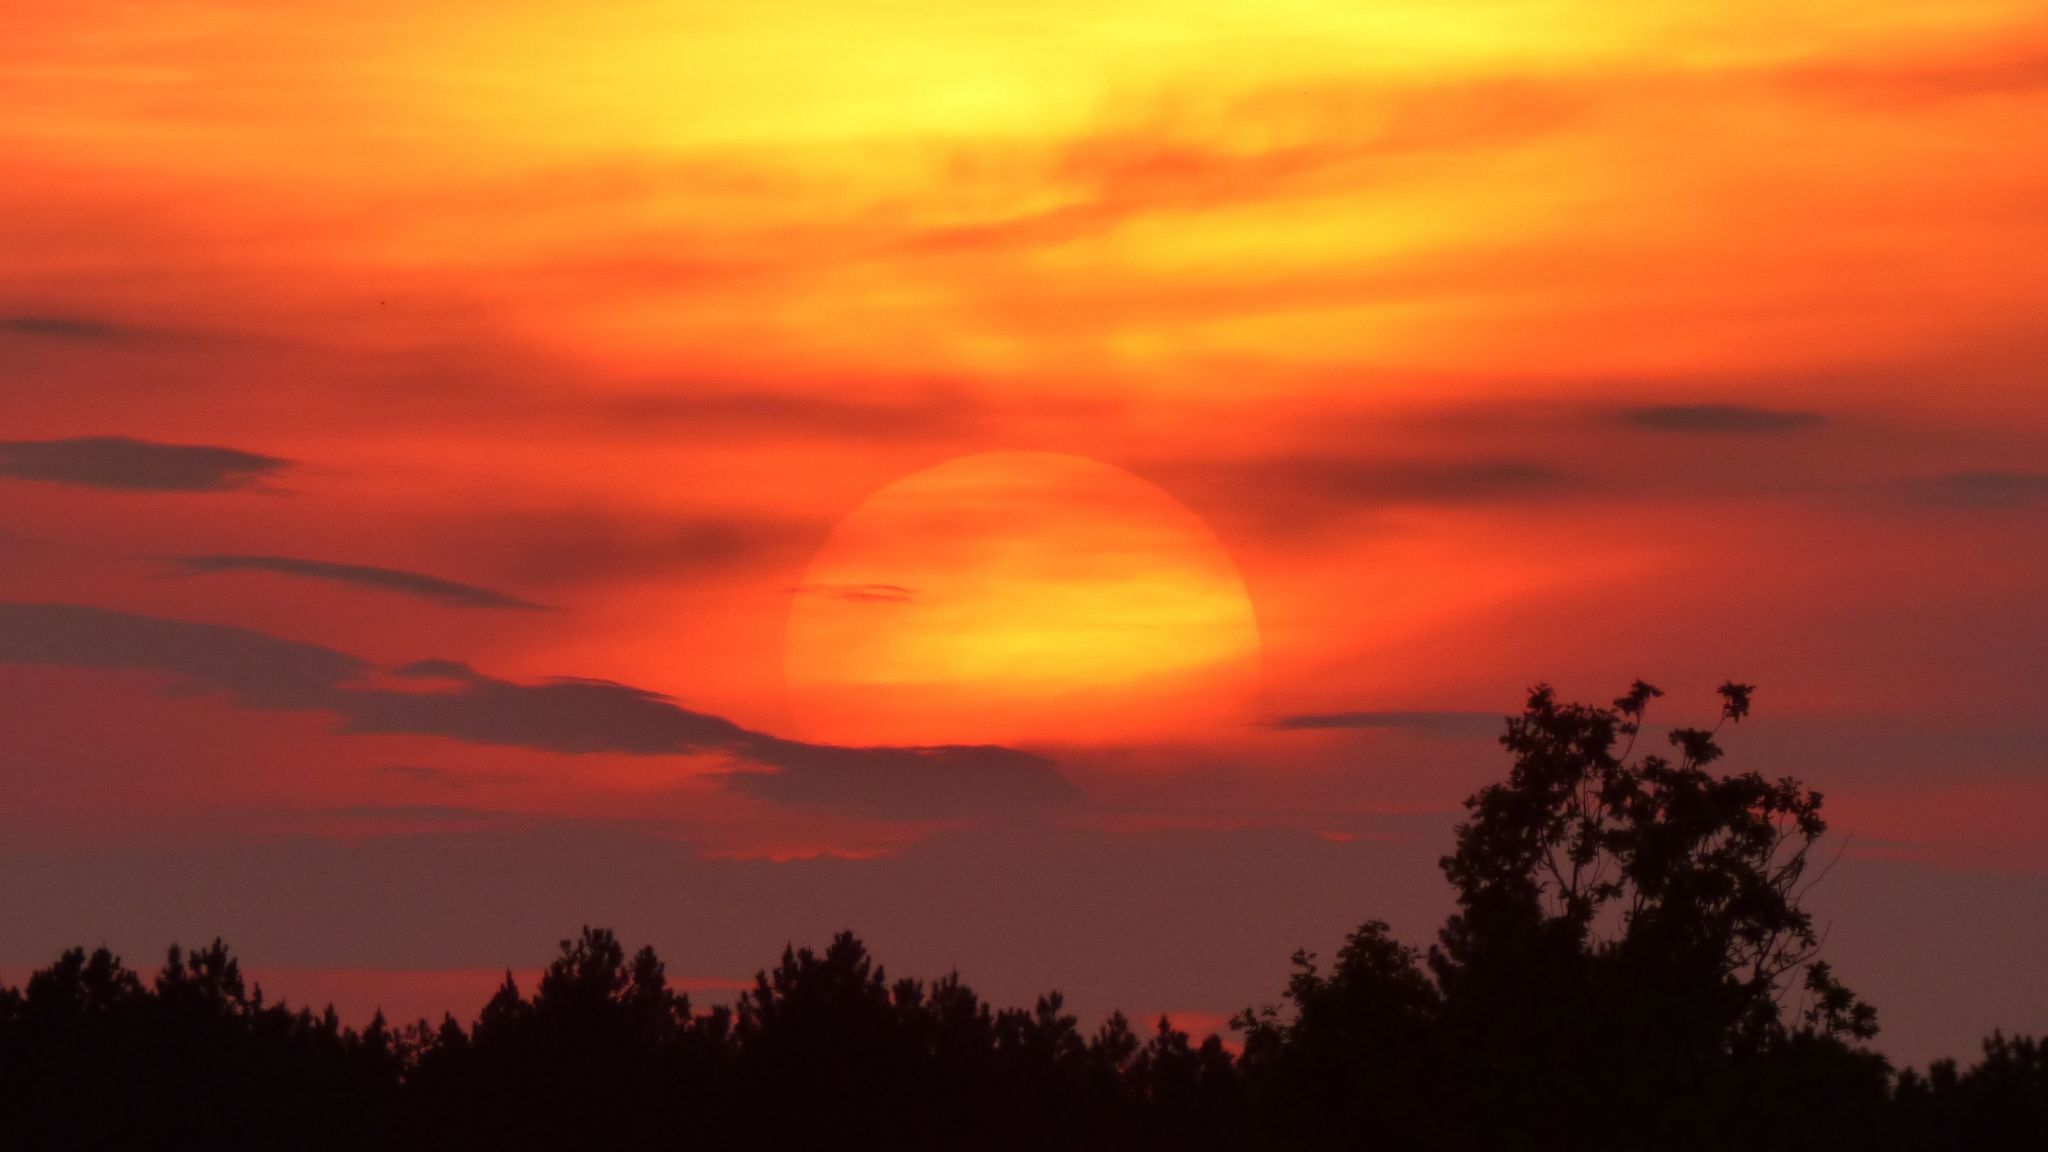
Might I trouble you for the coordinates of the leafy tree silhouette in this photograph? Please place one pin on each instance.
(1627, 928)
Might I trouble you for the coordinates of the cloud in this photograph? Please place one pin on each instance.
(1986, 489)
(867, 593)
(571, 716)
(565, 715)
(453, 777)
(748, 412)
(2006, 69)
(120, 463)
(1315, 136)
(987, 781)
(435, 669)
(66, 328)
(1721, 419)
(586, 716)
(1448, 724)
(420, 813)
(572, 547)
(1326, 479)
(256, 670)
(386, 579)
(1307, 493)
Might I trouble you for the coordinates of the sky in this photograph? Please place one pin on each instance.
(1065, 490)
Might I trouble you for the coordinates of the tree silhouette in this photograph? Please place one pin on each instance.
(2001, 1102)
(1361, 1057)
(605, 1054)
(1629, 967)
(90, 1057)
(1628, 928)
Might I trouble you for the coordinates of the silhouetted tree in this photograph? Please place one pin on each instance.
(1629, 967)
(604, 1055)
(90, 1057)
(1627, 929)
(2000, 1102)
(819, 1045)
(1359, 1059)
(1183, 1095)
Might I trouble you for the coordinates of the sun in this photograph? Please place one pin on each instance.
(1020, 597)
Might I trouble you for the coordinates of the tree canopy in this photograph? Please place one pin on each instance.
(1629, 966)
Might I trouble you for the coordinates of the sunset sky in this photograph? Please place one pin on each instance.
(1066, 490)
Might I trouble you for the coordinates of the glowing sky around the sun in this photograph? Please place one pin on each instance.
(1483, 342)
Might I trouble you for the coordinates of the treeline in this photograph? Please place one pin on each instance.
(1629, 968)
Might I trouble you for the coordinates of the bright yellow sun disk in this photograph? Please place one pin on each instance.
(1019, 597)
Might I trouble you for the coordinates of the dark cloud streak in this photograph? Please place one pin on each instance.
(569, 716)
(1325, 480)
(364, 576)
(1721, 419)
(987, 781)
(451, 777)
(1449, 724)
(71, 328)
(128, 465)
(1986, 489)
(569, 548)
(863, 593)
(421, 813)
(256, 670)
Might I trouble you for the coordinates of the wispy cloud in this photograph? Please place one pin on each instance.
(735, 411)
(1347, 130)
(1328, 484)
(452, 777)
(1986, 489)
(364, 576)
(984, 781)
(576, 546)
(1447, 724)
(867, 593)
(74, 328)
(2012, 66)
(563, 715)
(422, 813)
(124, 464)
(1721, 419)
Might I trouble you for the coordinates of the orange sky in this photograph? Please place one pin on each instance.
(1484, 342)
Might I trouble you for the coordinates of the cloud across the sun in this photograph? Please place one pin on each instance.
(569, 716)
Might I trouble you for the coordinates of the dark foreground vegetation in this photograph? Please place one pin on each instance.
(1629, 968)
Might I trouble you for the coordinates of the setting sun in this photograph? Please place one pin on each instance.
(1016, 597)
